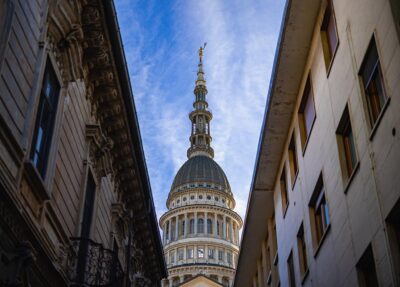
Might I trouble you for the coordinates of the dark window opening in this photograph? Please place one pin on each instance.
(330, 40)
(45, 119)
(306, 113)
(366, 269)
(372, 78)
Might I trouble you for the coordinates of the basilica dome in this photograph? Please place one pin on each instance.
(201, 169)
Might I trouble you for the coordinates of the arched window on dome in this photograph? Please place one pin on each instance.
(191, 226)
(209, 226)
(200, 225)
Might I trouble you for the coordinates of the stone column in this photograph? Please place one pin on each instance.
(176, 227)
(195, 223)
(231, 230)
(186, 225)
(224, 228)
(215, 224)
(169, 229)
(206, 252)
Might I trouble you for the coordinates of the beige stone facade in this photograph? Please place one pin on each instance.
(325, 197)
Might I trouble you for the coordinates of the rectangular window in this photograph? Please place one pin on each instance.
(293, 164)
(220, 255)
(366, 269)
(291, 274)
(229, 257)
(88, 207)
(306, 114)
(372, 79)
(329, 35)
(190, 253)
(200, 252)
(302, 249)
(45, 118)
(284, 192)
(347, 148)
(319, 213)
(172, 257)
(211, 253)
(180, 254)
(393, 224)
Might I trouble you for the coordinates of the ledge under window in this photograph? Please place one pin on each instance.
(352, 175)
(321, 241)
(35, 179)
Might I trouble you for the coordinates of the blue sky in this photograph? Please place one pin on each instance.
(161, 39)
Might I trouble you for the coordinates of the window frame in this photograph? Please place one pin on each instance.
(302, 253)
(319, 215)
(291, 270)
(43, 186)
(284, 191)
(361, 264)
(328, 54)
(307, 93)
(347, 147)
(377, 68)
(293, 160)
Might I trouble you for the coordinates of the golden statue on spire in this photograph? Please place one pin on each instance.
(201, 52)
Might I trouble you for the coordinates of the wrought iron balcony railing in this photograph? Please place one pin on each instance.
(91, 265)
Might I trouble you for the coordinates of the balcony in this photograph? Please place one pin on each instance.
(90, 264)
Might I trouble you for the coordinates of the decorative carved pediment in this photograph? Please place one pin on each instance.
(99, 149)
(65, 35)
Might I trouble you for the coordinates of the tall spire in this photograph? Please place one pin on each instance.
(200, 139)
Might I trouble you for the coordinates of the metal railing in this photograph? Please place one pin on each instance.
(90, 264)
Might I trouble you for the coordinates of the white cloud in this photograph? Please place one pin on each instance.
(241, 37)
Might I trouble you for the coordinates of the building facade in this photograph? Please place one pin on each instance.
(200, 228)
(324, 207)
(76, 207)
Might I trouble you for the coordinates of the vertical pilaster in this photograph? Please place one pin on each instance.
(215, 224)
(186, 226)
(195, 223)
(224, 228)
(169, 229)
(205, 222)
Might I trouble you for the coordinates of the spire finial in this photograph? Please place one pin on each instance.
(201, 51)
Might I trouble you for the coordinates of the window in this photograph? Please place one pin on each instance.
(172, 257)
(200, 226)
(221, 255)
(88, 206)
(216, 198)
(284, 193)
(200, 196)
(393, 224)
(191, 226)
(184, 199)
(192, 197)
(329, 35)
(209, 226)
(306, 114)
(347, 149)
(208, 197)
(200, 252)
(190, 253)
(167, 231)
(302, 249)
(183, 228)
(293, 165)
(211, 253)
(229, 257)
(290, 266)
(218, 232)
(46, 115)
(319, 213)
(180, 254)
(373, 85)
(366, 269)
